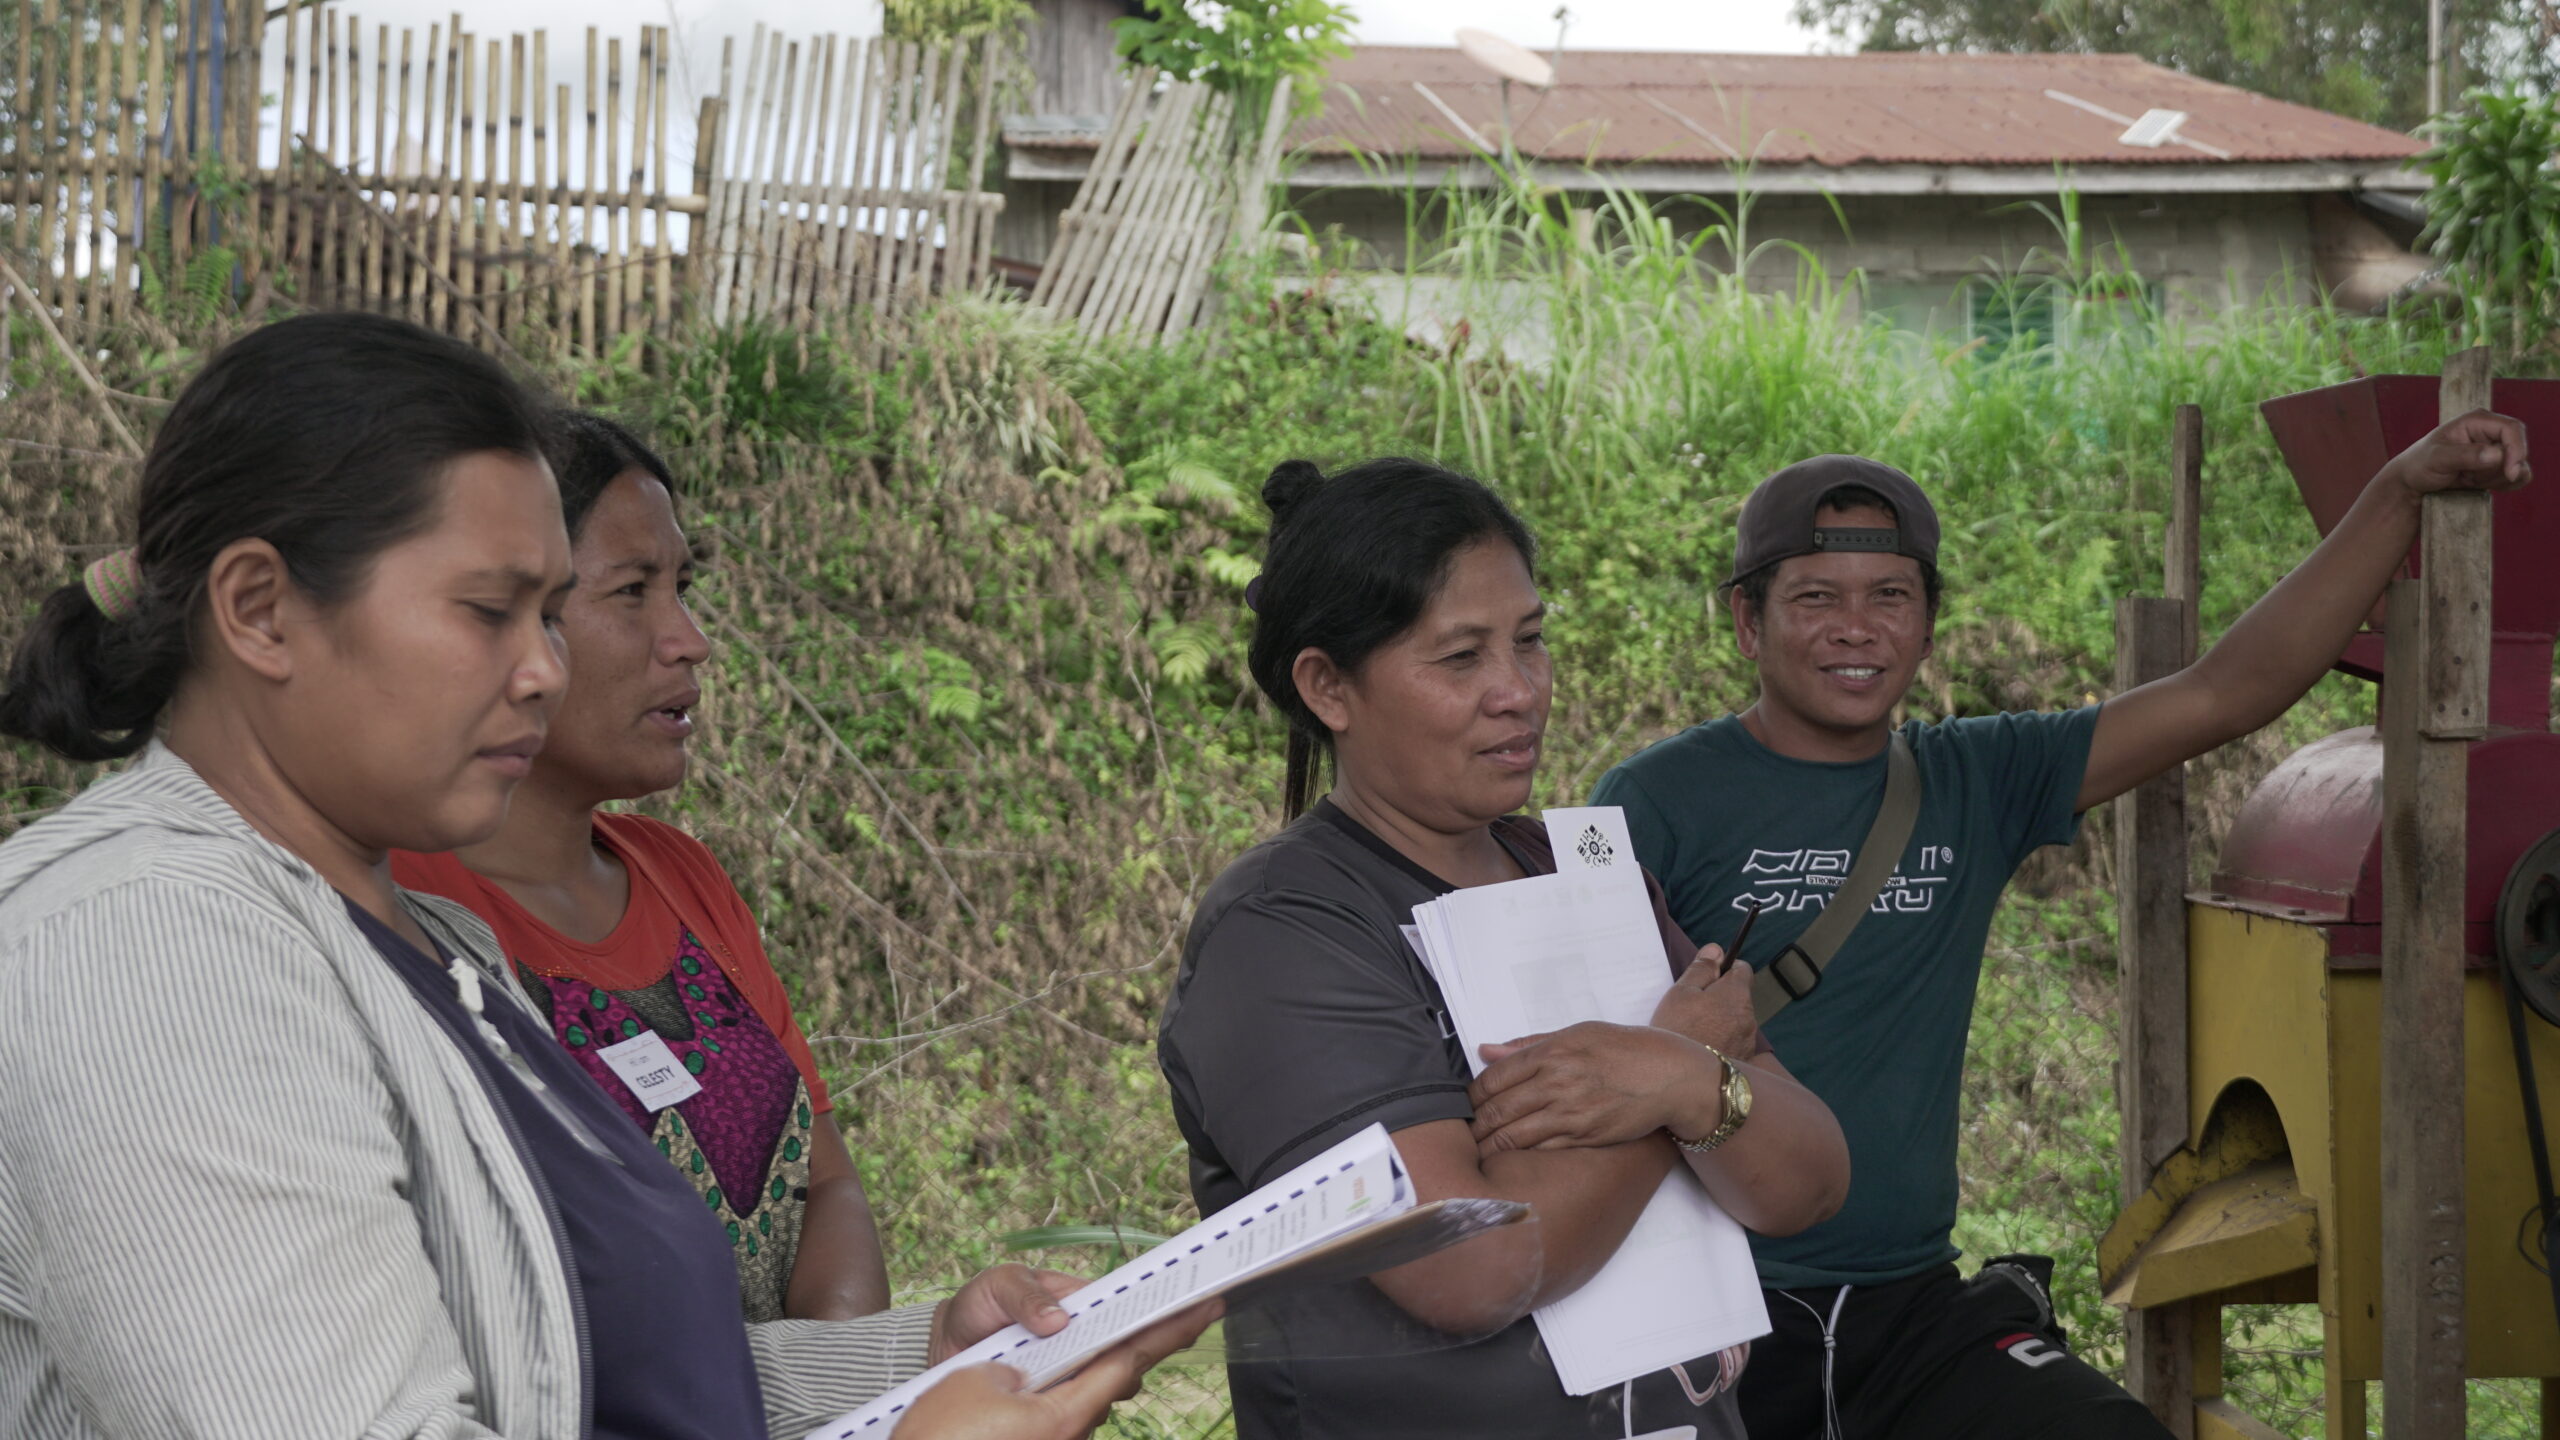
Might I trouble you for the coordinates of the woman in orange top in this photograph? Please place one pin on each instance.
(628, 934)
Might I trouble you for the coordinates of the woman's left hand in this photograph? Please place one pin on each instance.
(1594, 1084)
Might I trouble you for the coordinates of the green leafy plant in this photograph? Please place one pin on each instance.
(1242, 47)
(2493, 206)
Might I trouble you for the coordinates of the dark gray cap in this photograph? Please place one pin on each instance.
(1778, 520)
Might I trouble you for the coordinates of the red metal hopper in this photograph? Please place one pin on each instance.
(2308, 844)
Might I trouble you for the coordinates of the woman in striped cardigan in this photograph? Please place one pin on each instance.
(281, 1151)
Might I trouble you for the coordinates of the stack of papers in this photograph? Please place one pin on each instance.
(1347, 1213)
(1549, 951)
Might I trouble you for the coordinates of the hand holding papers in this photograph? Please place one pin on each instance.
(1550, 951)
(1347, 1213)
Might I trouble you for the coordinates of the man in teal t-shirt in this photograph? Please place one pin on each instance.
(1834, 597)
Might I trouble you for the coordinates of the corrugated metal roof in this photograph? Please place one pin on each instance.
(1834, 110)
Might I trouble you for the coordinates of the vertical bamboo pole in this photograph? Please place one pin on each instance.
(541, 299)
(48, 100)
(933, 182)
(633, 277)
(251, 103)
(488, 240)
(614, 214)
(893, 158)
(738, 119)
(982, 219)
(587, 338)
(749, 215)
(772, 173)
(326, 54)
(809, 175)
(830, 237)
(23, 92)
(445, 215)
(123, 184)
(710, 181)
(466, 214)
(155, 117)
(799, 87)
(405, 154)
(66, 280)
(852, 242)
(512, 220)
(379, 264)
(282, 221)
(100, 106)
(564, 304)
(663, 263)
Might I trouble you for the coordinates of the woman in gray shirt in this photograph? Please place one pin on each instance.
(1399, 629)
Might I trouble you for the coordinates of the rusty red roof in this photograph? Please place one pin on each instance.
(1833, 110)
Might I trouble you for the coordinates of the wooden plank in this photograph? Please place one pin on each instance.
(773, 117)
(2453, 561)
(448, 197)
(2423, 859)
(564, 255)
(626, 228)
(799, 294)
(2221, 1420)
(832, 204)
(489, 244)
(2151, 925)
(772, 226)
(98, 105)
(511, 217)
(2247, 1229)
(466, 210)
(935, 113)
(539, 229)
(717, 185)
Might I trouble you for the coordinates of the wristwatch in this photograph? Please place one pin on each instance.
(1737, 1106)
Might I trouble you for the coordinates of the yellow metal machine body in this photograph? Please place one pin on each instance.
(2278, 1194)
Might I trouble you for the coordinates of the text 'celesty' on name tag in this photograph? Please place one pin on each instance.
(651, 1070)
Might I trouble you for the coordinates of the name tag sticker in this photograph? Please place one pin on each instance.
(651, 1070)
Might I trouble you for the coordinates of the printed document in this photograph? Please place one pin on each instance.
(1344, 1214)
(1536, 955)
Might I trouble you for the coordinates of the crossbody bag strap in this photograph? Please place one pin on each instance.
(1798, 968)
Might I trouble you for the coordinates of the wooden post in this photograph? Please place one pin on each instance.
(2435, 684)
(2154, 639)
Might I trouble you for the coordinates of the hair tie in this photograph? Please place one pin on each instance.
(1253, 594)
(114, 583)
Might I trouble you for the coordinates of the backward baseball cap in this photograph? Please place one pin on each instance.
(1778, 521)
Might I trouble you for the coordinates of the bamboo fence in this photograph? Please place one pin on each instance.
(174, 152)
(1173, 187)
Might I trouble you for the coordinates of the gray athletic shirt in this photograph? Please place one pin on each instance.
(1299, 1016)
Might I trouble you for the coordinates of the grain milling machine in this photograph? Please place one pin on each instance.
(2278, 1194)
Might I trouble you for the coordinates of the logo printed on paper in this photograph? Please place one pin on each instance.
(1594, 847)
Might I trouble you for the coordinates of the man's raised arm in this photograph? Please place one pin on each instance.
(2276, 652)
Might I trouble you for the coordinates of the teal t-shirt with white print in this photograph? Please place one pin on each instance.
(1723, 821)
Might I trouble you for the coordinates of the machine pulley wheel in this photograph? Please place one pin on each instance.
(2528, 927)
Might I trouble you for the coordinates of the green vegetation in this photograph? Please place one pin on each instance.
(979, 729)
(2493, 208)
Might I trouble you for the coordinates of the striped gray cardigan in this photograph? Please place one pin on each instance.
(248, 1187)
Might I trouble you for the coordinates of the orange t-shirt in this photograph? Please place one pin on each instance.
(670, 872)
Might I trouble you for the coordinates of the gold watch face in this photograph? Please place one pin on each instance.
(1737, 1095)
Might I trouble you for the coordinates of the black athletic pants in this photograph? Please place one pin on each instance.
(1930, 1357)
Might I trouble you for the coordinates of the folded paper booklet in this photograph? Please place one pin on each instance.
(1347, 1213)
(1539, 954)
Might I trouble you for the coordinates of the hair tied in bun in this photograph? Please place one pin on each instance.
(1291, 482)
